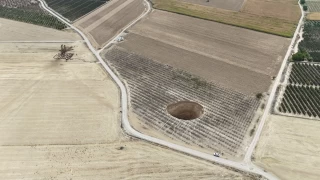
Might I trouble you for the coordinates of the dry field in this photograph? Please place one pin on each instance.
(289, 147)
(19, 31)
(271, 16)
(227, 115)
(315, 16)
(233, 57)
(233, 5)
(60, 120)
(101, 25)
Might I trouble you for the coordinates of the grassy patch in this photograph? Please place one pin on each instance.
(271, 25)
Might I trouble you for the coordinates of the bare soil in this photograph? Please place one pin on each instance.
(19, 31)
(278, 17)
(60, 120)
(233, 5)
(233, 57)
(313, 16)
(103, 24)
(289, 148)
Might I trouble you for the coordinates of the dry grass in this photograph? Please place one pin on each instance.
(271, 17)
(313, 16)
(289, 147)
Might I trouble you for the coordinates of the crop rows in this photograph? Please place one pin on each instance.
(301, 100)
(30, 16)
(311, 39)
(313, 6)
(74, 9)
(19, 4)
(153, 86)
(305, 74)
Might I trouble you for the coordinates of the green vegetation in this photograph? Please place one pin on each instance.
(301, 56)
(305, 7)
(259, 95)
(33, 17)
(74, 9)
(302, 1)
(311, 40)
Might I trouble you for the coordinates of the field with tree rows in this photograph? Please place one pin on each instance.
(28, 11)
(313, 5)
(74, 9)
(311, 39)
(305, 74)
(301, 100)
(153, 86)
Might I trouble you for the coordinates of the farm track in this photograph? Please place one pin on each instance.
(245, 166)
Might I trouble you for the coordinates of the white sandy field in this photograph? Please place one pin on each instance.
(290, 148)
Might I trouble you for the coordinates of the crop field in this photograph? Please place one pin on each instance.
(300, 95)
(102, 24)
(74, 9)
(233, 5)
(60, 120)
(305, 74)
(211, 50)
(288, 147)
(28, 11)
(311, 39)
(278, 17)
(11, 31)
(153, 86)
(313, 5)
(301, 100)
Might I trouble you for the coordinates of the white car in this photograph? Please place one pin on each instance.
(216, 154)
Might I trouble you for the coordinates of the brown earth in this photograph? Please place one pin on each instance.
(289, 147)
(211, 50)
(233, 5)
(278, 17)
(101, 25)
(60, 120)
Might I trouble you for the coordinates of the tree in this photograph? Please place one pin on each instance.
(298, 57)
(305, 7)
(259, 95)
(302, 1)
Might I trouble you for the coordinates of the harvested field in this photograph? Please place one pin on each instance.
(60, 120)
(276, 16)
(233, 5)
(153, 86)
(74, 9)
(210, 50)
(289, 148)
(313, 16)
(103, 24)
(11, 31)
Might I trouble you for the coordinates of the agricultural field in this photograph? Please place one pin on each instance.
(11, 31)
(74, 9)
(233, 5)
(278, 17)
(28, 11)
(101, 25)
(227, 114)
(60, 120)
(210, 50)
(305, 74)
(300, 96)
(313, 5)
(311, 39)
(289, 148)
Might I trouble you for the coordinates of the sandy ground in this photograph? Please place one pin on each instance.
(103, 24)
(60, 120)
(211, 50)
(313, 16)
(19, 31)
(289, 147)
(234, 5)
